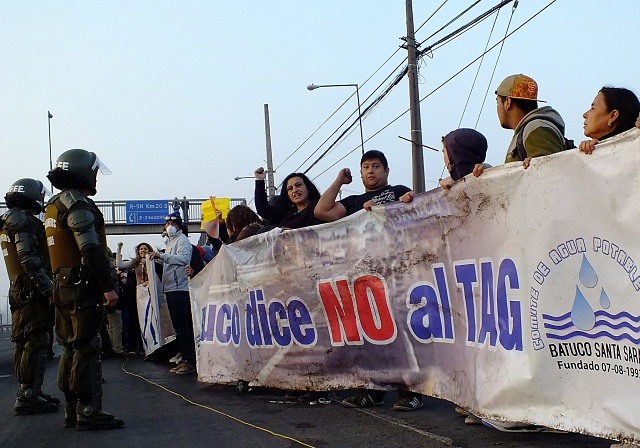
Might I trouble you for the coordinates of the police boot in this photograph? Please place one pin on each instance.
(92, 419)
(35, 357)
(29, 403)
(89, 408)
(70, 415)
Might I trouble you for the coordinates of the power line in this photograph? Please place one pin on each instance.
(449, 22)
(365, 113)
(334, 112)
(465, 26)
(443, 41)
(495, 66)
(432, 14)
(445, 82)
(478, 71)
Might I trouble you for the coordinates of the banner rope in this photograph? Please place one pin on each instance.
(224, 414)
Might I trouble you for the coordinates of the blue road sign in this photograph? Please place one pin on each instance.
(146, 212)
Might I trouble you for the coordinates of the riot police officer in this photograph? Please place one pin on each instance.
(82, 286)
(24, 247)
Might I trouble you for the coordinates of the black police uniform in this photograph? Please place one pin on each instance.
(82, 274)
(24, 247)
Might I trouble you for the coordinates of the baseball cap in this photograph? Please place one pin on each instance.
(520, 87)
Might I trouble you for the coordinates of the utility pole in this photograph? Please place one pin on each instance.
(271, 188)
(414, 104)
(49, 117)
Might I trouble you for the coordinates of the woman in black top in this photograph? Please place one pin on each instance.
(294, 206)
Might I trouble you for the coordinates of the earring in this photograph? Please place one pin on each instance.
(609, 124)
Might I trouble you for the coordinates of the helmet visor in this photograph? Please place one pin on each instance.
(99, 164)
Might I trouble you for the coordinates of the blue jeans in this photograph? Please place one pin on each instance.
(179, 304)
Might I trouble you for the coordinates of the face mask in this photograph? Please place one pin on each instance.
(171, 231)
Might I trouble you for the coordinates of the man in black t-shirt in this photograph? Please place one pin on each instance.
(374, 171)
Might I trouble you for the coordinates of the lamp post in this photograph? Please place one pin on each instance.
(49, 117)
(315, 86)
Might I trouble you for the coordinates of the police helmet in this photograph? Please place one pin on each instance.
(27, 194)
(77, 168)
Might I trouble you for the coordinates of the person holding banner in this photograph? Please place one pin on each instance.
(463, 151)
(537, 131)
(374, 172)
(175, 285)
(612, 112)
(242, 222)
(295, 204)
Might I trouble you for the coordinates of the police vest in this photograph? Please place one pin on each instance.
(8, 245)
(63, 249)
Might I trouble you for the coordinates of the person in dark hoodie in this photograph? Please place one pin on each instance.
(464, 151)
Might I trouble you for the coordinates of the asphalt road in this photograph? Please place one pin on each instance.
(167, 410)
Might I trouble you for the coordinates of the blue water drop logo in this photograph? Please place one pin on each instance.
(582, 314)
(604, 300)
(588, 276)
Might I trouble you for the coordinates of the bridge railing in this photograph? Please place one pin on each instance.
(115, 212)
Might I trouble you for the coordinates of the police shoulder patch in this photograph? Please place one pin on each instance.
(69, 198)
(15, 219)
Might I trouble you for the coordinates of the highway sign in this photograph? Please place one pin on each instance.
(146, 212)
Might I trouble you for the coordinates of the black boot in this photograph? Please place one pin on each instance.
(70, 416)
(33, 405)
(88, 419)
(50, 399)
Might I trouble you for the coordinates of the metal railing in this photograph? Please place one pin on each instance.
(115, 212)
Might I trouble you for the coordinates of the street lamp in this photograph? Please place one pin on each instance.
(314, 87)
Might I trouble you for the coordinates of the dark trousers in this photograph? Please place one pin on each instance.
(179, 304)
(79, 317)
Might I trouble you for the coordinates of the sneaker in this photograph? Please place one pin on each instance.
(518, 427)
(313, 398)
(176, 359)
(185, 368)
(472, 420)
(462, 411)
(363, 400)
(176, 368)
(408, 402)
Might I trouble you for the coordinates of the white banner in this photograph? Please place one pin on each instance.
(515, 295)
(153, 314)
